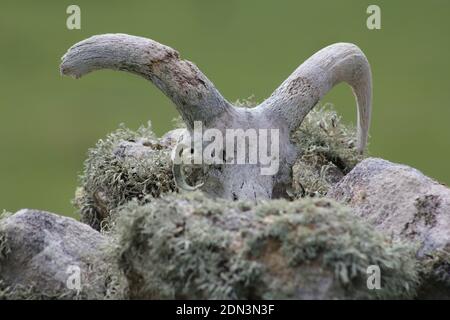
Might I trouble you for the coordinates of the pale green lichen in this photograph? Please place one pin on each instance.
(115, 287)
(189, 246)
(5, 214)
(29, 292)
(112, 177)
(100, 280)
(166, 257)
(249, 102)
(327, 149)
(327, 152)
(4, 247)
(435, 275)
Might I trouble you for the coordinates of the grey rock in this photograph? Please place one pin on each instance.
(399, 201)
(402, 202)
(42, 253)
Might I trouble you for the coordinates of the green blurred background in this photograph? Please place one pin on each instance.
(246, 48)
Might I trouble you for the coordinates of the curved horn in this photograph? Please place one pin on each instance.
(340, 62)
(193, 93)
(180, 178)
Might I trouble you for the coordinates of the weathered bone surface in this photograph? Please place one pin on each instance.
(39, 251)
(197, 99)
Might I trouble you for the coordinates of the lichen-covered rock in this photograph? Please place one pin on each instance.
(435, 274)
(189, 246)
(126, 165)
(400, 201)
(327, 152)
(130, 164)
(41, 254)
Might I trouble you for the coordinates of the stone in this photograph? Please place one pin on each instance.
(44, 255)
(401, 202)
(398, 200)
(188, 246)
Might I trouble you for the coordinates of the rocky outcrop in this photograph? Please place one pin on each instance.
(398, 200)
(162, 244)
(190, 246)
(125, 165)
(44, 255)
(401, 202)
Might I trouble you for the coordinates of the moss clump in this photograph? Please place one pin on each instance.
(320, 230)
(4, 251)
(29, 292)
(327, 152)
(4, 248)
(126, 165)
(435, 275)
(115, 287)
(189, 246)
(165, 256)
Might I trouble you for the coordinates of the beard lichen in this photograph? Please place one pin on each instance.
(4, 247)
(5, 291)
(34, 292)
(435, 275)
(189, 246)
(327, 152)
(126, 165)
